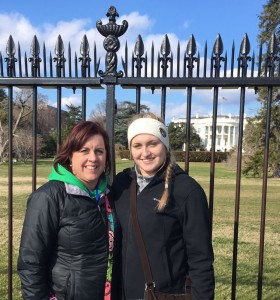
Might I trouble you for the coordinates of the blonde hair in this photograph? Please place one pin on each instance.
(169, 160)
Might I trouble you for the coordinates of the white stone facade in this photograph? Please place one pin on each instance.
(226, 133)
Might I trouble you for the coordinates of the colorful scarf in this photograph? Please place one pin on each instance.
(108, 285)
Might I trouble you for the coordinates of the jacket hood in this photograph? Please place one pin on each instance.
(67, 177)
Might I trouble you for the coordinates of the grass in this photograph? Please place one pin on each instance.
(223, 226)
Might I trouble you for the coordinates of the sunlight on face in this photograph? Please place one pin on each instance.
(148, 153)
(89, 162)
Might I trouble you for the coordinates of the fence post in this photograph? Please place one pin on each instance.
(111, 31)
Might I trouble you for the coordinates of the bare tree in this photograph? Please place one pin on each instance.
(23, 145)
(99, 115)
(22, 112)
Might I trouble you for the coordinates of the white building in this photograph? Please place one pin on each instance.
(226, 132)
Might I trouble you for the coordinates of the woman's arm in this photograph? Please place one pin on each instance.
(39, 235)
(199, 246)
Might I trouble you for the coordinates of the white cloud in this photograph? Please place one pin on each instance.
(175, 110)
(73, 99)
(135, 20)
(19, 27)
(22, 31)
(72, 31)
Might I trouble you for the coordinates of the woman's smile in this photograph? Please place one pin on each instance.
(89, 162)
(148, 153)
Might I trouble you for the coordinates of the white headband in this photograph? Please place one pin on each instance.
(148, 126)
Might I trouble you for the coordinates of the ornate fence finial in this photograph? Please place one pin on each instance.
(272, 57)
(10, 50)
(35, 59)
(85, 59)
(218, 49)
(243, 55)
(59, 51)
(165, 50)
(139, 52)
(190, 52)
(111, 31)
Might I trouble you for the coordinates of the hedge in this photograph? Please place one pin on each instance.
(200, 156)
(195, 156)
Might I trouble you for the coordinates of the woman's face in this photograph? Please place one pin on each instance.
(148, 153)
(89, 162)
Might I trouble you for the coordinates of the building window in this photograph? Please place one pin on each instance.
(226, 141)
(226, 129)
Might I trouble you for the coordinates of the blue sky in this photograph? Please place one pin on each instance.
(150, 18)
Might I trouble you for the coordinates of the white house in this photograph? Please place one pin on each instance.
(226, 133)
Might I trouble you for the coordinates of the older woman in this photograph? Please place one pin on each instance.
(66, 249)
(172, 212)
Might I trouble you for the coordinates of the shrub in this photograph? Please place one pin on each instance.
(200, 156)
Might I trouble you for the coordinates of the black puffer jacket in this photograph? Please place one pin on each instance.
(177, 240)
(64, 246)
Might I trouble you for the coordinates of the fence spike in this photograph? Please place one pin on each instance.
(51, 66)
(59, 46)
(218, 48)
(152, 59)
(165, 48)
(191, 47)
(44, 60)
(10, 48)
(76, 64)
(253, 64)
(84, 48)
(35, 59)
(272, 46)
(70, 59)
(35, 47)
(225, 65)
(198, 64)
(85, 59)
(232, 58)
(245, 46)
(25, 65)
(260, 60)
(19, 61)
(205, 59)
(1, 65)
(178, 59)
(139, 46)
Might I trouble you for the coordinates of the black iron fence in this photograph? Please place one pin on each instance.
(143, 69)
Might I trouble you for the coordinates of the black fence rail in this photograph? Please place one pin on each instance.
(181, 69)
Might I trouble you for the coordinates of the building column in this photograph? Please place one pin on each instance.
(222, 137)
(208, 143)
(230, 145)
(233, 139)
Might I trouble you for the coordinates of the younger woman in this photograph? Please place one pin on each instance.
(172, 211)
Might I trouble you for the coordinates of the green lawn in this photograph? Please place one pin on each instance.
(223, 222)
